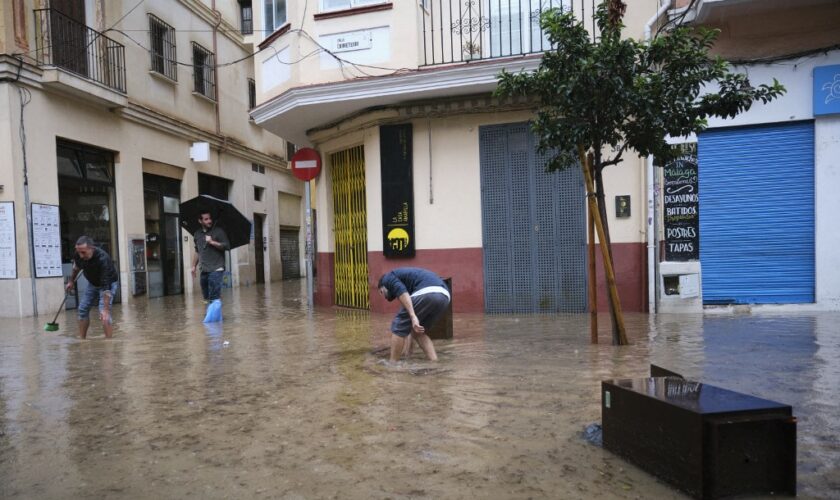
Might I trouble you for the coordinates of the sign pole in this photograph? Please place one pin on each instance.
(306, 165)
(309, 247)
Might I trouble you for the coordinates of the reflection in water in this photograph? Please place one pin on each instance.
(280, 401)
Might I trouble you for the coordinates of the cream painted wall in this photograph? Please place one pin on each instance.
(159, 124)
(455, 182)
(400, 45)
(290, 210)
(107, 130)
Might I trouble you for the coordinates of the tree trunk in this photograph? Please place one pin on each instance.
(619, 334)
(600, 197)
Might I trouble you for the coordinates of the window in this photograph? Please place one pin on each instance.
(256, 167)
(274, 12)
(204, 65)
(346, 4)
(290, 150)
(162, 43)
(247, 15)
(252, 93)
(258, 193)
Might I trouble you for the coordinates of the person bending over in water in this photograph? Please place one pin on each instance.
(424, 298)
(102, 284)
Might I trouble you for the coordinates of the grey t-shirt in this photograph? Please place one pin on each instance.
(210, 257)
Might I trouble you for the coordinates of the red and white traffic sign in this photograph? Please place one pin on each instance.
(306, 164)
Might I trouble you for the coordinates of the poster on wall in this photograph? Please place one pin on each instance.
(46, 239)
(681, 210)
(8, 245)
(397, 190)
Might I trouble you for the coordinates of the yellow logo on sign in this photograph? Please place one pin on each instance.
(398, 239)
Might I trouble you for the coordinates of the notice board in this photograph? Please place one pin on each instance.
(8, 242)
(46, 240)
(681, 210)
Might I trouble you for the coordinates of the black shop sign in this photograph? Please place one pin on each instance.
(397, 190)
(681, 210)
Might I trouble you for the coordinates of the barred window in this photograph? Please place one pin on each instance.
(252, 93)
(204, 71)
(247, 15)
(162, 43)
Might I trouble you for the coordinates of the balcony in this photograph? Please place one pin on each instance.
(457, 31)
(79, 60)
(757, 29)
(462, 45)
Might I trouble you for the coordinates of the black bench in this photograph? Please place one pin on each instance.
(707, 441)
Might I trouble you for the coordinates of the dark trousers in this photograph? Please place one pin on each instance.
(211, 284)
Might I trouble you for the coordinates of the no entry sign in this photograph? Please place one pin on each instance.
(306, 164)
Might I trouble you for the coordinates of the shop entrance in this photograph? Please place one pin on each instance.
(86, 204)
(164, 254)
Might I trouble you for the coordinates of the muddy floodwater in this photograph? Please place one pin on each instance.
(280, 402)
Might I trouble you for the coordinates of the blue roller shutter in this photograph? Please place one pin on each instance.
(757, 214)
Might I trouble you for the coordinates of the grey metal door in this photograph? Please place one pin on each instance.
(533, 226)
(290, 253)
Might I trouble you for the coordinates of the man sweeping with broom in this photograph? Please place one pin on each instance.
(102, 278)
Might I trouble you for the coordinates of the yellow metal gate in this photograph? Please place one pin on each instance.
(348, 187)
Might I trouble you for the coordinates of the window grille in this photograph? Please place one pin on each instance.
(162, 44)
(252, 93)
(247, 15)
(204, 71)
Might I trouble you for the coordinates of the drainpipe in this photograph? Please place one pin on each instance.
(218, 16)
(651, 195)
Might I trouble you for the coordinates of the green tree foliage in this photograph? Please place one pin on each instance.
(625, 94)
(607, 94)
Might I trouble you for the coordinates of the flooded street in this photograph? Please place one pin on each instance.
(278, 402)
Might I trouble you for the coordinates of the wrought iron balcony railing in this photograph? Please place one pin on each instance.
(465, 30)
(68, 44)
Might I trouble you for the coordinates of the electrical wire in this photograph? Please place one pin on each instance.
(677, 21)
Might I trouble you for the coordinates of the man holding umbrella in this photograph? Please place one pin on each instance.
(216, 226)
(210, 244)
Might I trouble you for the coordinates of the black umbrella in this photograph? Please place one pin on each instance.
(225, 215)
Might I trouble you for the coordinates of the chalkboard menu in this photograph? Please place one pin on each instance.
(397, 190)
(681, 212)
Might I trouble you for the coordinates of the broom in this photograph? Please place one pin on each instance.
(52, 326)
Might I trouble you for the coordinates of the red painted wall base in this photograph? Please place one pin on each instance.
(466, 268)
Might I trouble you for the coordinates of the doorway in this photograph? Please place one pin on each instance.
(350, 220)
(164, 252)
(533, 226)
(259, 248)
(86, 203)
(68, 32)
(290, 252)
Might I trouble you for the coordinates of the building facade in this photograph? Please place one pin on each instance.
(424, 167)
(111, 114)
(768, 178)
